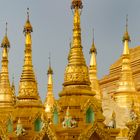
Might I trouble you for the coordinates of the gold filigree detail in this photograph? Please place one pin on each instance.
(46, 130)
(76, 74)
(104, 135)
(133, 127)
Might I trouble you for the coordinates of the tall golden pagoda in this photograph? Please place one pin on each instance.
(93, 72)
(28, 86)
(76, 73)
(76, 78)
(28, 109)
(77, 99)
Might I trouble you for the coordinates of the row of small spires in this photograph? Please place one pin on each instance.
(28, 29)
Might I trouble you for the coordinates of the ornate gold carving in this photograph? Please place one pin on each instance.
(3, 134)
(133, 126)
(77, 74)
(46, 129)
(104, 135)
(91, 103)
(28, 89)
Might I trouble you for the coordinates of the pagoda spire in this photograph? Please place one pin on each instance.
(49, 103)
(93, 71)
(126, 72)
(28, 86)
(93, 53)
(126, 39)
(13, 89)
(76, 73)
(6, 99)
(126, 86)
(50, 79)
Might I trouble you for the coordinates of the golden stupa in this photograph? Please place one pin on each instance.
(87, 108)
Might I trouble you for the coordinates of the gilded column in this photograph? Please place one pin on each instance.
(6, 98)
(50, 100)
(28, 90)
(93, 72)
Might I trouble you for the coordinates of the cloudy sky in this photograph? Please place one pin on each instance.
(52, 25)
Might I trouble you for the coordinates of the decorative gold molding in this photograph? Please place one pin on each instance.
(133, 127)
(46, 130)
(103, 134)
(3, 134)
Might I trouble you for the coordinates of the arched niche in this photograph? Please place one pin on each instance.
(38, 125)
(95, 136)
(55, 117)
(10, 126)
(89, 115)
(95, 132)
(46, 133)
(137, 135)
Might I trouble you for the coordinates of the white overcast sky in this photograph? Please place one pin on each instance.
(52, 25)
